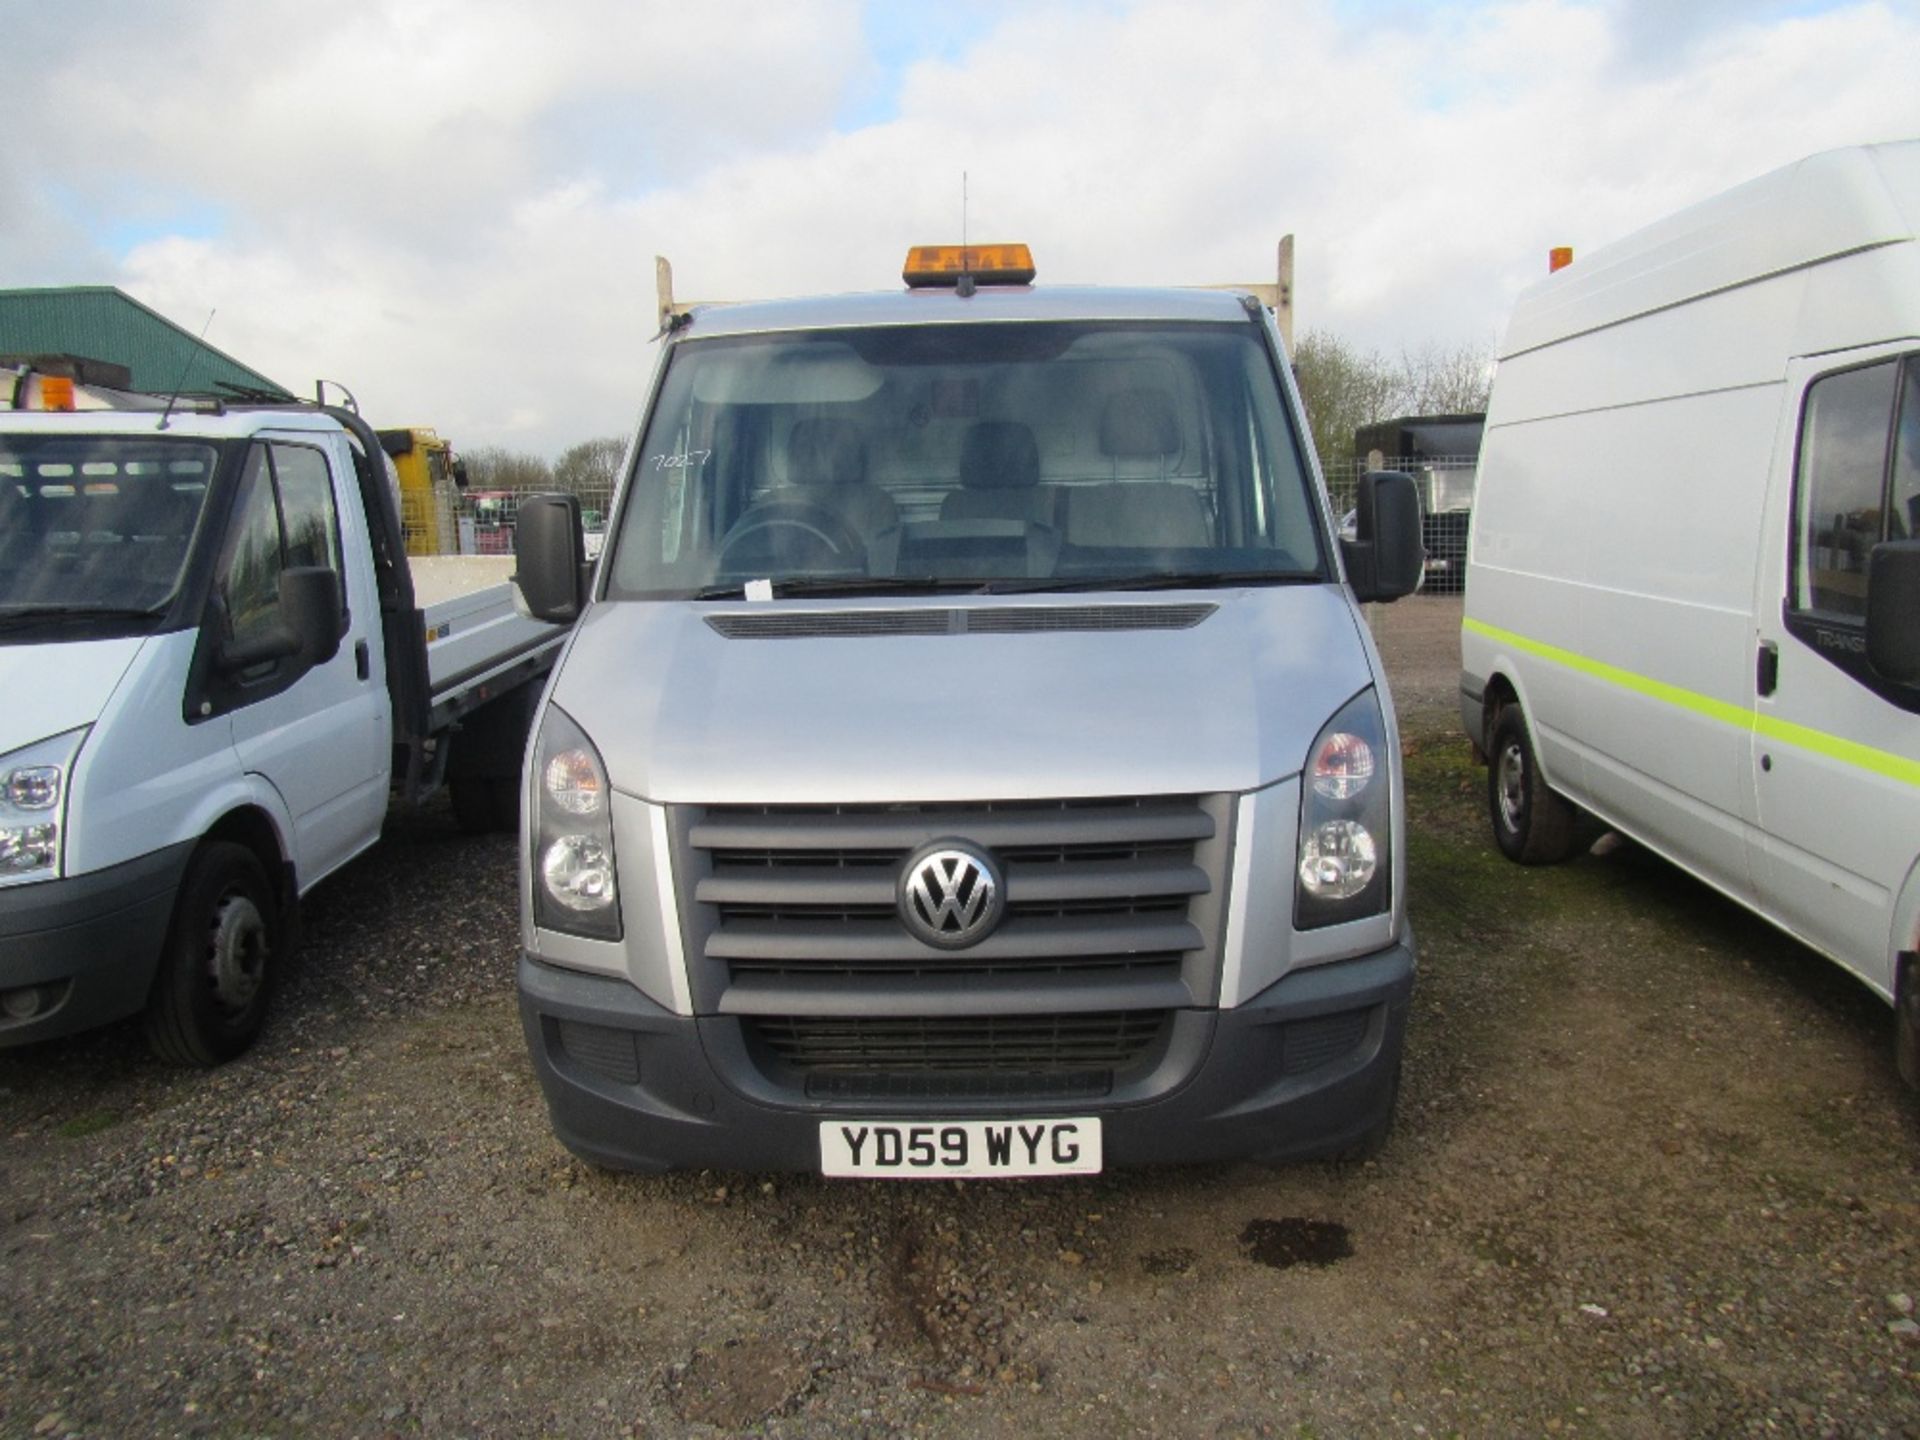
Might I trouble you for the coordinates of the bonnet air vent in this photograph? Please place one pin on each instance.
(984, 620)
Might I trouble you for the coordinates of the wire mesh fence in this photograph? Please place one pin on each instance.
(1445, 486)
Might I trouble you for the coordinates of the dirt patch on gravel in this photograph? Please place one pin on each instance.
(1654, 1176)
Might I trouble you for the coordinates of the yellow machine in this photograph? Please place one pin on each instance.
(428, 474)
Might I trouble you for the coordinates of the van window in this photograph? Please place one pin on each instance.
(97, 524)
(999, 456)
(276, 527)
(1845, 440)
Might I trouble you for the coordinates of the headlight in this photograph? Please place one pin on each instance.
(33, 806)
(1346, 817)
(574, 885)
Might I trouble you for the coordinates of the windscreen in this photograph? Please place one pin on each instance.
(1002, 456)
(97, 524)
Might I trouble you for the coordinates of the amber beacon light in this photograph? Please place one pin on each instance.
(1559, 257)
(929, 265)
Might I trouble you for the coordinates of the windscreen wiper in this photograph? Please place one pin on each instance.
(14, 615)
(1163, 580)
(845, 585)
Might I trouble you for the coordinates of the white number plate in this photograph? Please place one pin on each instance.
(958, 1149)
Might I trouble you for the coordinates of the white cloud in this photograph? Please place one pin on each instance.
(454, 207)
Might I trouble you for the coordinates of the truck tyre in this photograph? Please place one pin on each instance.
(220, 960)
(1531, 824)
(503, 798)
(486, 804)
(472, 797)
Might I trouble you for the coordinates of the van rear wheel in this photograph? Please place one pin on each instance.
(1531, 824)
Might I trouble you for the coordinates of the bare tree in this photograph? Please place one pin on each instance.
(493, 467)
(590, 469)
(1345, 389)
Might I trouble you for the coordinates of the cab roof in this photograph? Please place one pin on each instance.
(945, 307)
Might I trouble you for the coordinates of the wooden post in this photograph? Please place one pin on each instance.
(663, 288)
(1283, 293)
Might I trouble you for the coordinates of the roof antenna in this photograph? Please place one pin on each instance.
(964, 286)
(186, 364)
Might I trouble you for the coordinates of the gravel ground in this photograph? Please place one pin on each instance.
(1654, 1176)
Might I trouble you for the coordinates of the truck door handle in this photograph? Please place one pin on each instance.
(362, 660)
(1766, 675)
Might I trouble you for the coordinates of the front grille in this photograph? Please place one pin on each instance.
(1113, 913)
(1102, 883)
(1005, 1045)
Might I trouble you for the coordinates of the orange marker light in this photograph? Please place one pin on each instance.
(1559, 257)
(988, 264)
(56, 392)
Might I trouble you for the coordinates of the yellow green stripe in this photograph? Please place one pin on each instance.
(1847, 752)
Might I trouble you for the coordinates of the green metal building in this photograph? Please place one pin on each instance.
(98, 322)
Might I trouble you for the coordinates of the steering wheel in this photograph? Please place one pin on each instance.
(789, 536)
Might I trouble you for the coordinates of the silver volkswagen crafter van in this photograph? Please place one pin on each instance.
(972, 759)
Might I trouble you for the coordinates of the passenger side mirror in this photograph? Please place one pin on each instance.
(552, 572)
(1383, 559)
(310, 616)
(1893, 611)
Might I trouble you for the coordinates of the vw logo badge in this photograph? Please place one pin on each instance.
(951, 895)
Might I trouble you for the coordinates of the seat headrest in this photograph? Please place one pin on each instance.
(999, 455)
(826, 452)
(1139, 422)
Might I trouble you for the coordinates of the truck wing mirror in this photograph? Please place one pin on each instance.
(309, 627)
(1383, 559)
(1893, 610)
(551, 554)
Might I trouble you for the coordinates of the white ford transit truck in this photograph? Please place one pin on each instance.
(217, 661)
(971, 758)
(1693, 594)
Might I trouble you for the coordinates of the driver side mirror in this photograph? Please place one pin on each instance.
(310, 619)
(1893, 610)
(1383, 559)
(551, 574)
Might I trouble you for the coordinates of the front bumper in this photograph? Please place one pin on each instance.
(90, 944)
(632, 1086)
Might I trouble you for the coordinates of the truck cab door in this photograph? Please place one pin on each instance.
(1834, 744)
(318, 733)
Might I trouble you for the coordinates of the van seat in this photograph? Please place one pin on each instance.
(1141, 507)
(1000, 477)
(1139, 515)
(827, 462)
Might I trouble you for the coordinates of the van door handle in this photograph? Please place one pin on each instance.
(1766, 676)
(362, 660)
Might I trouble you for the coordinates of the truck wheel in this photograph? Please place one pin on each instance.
(1531, 824)
(486, 804)
(472, 797)
(503, 799)
(220, 960)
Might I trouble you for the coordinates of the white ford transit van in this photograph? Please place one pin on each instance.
(1693, 594)
(971, 759)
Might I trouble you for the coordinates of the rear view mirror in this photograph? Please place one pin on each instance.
(1383, 559)
(309, 624)
(310, 601)
(1893, 611)
(552, 572)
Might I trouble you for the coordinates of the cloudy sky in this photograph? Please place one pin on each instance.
(453, 205)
